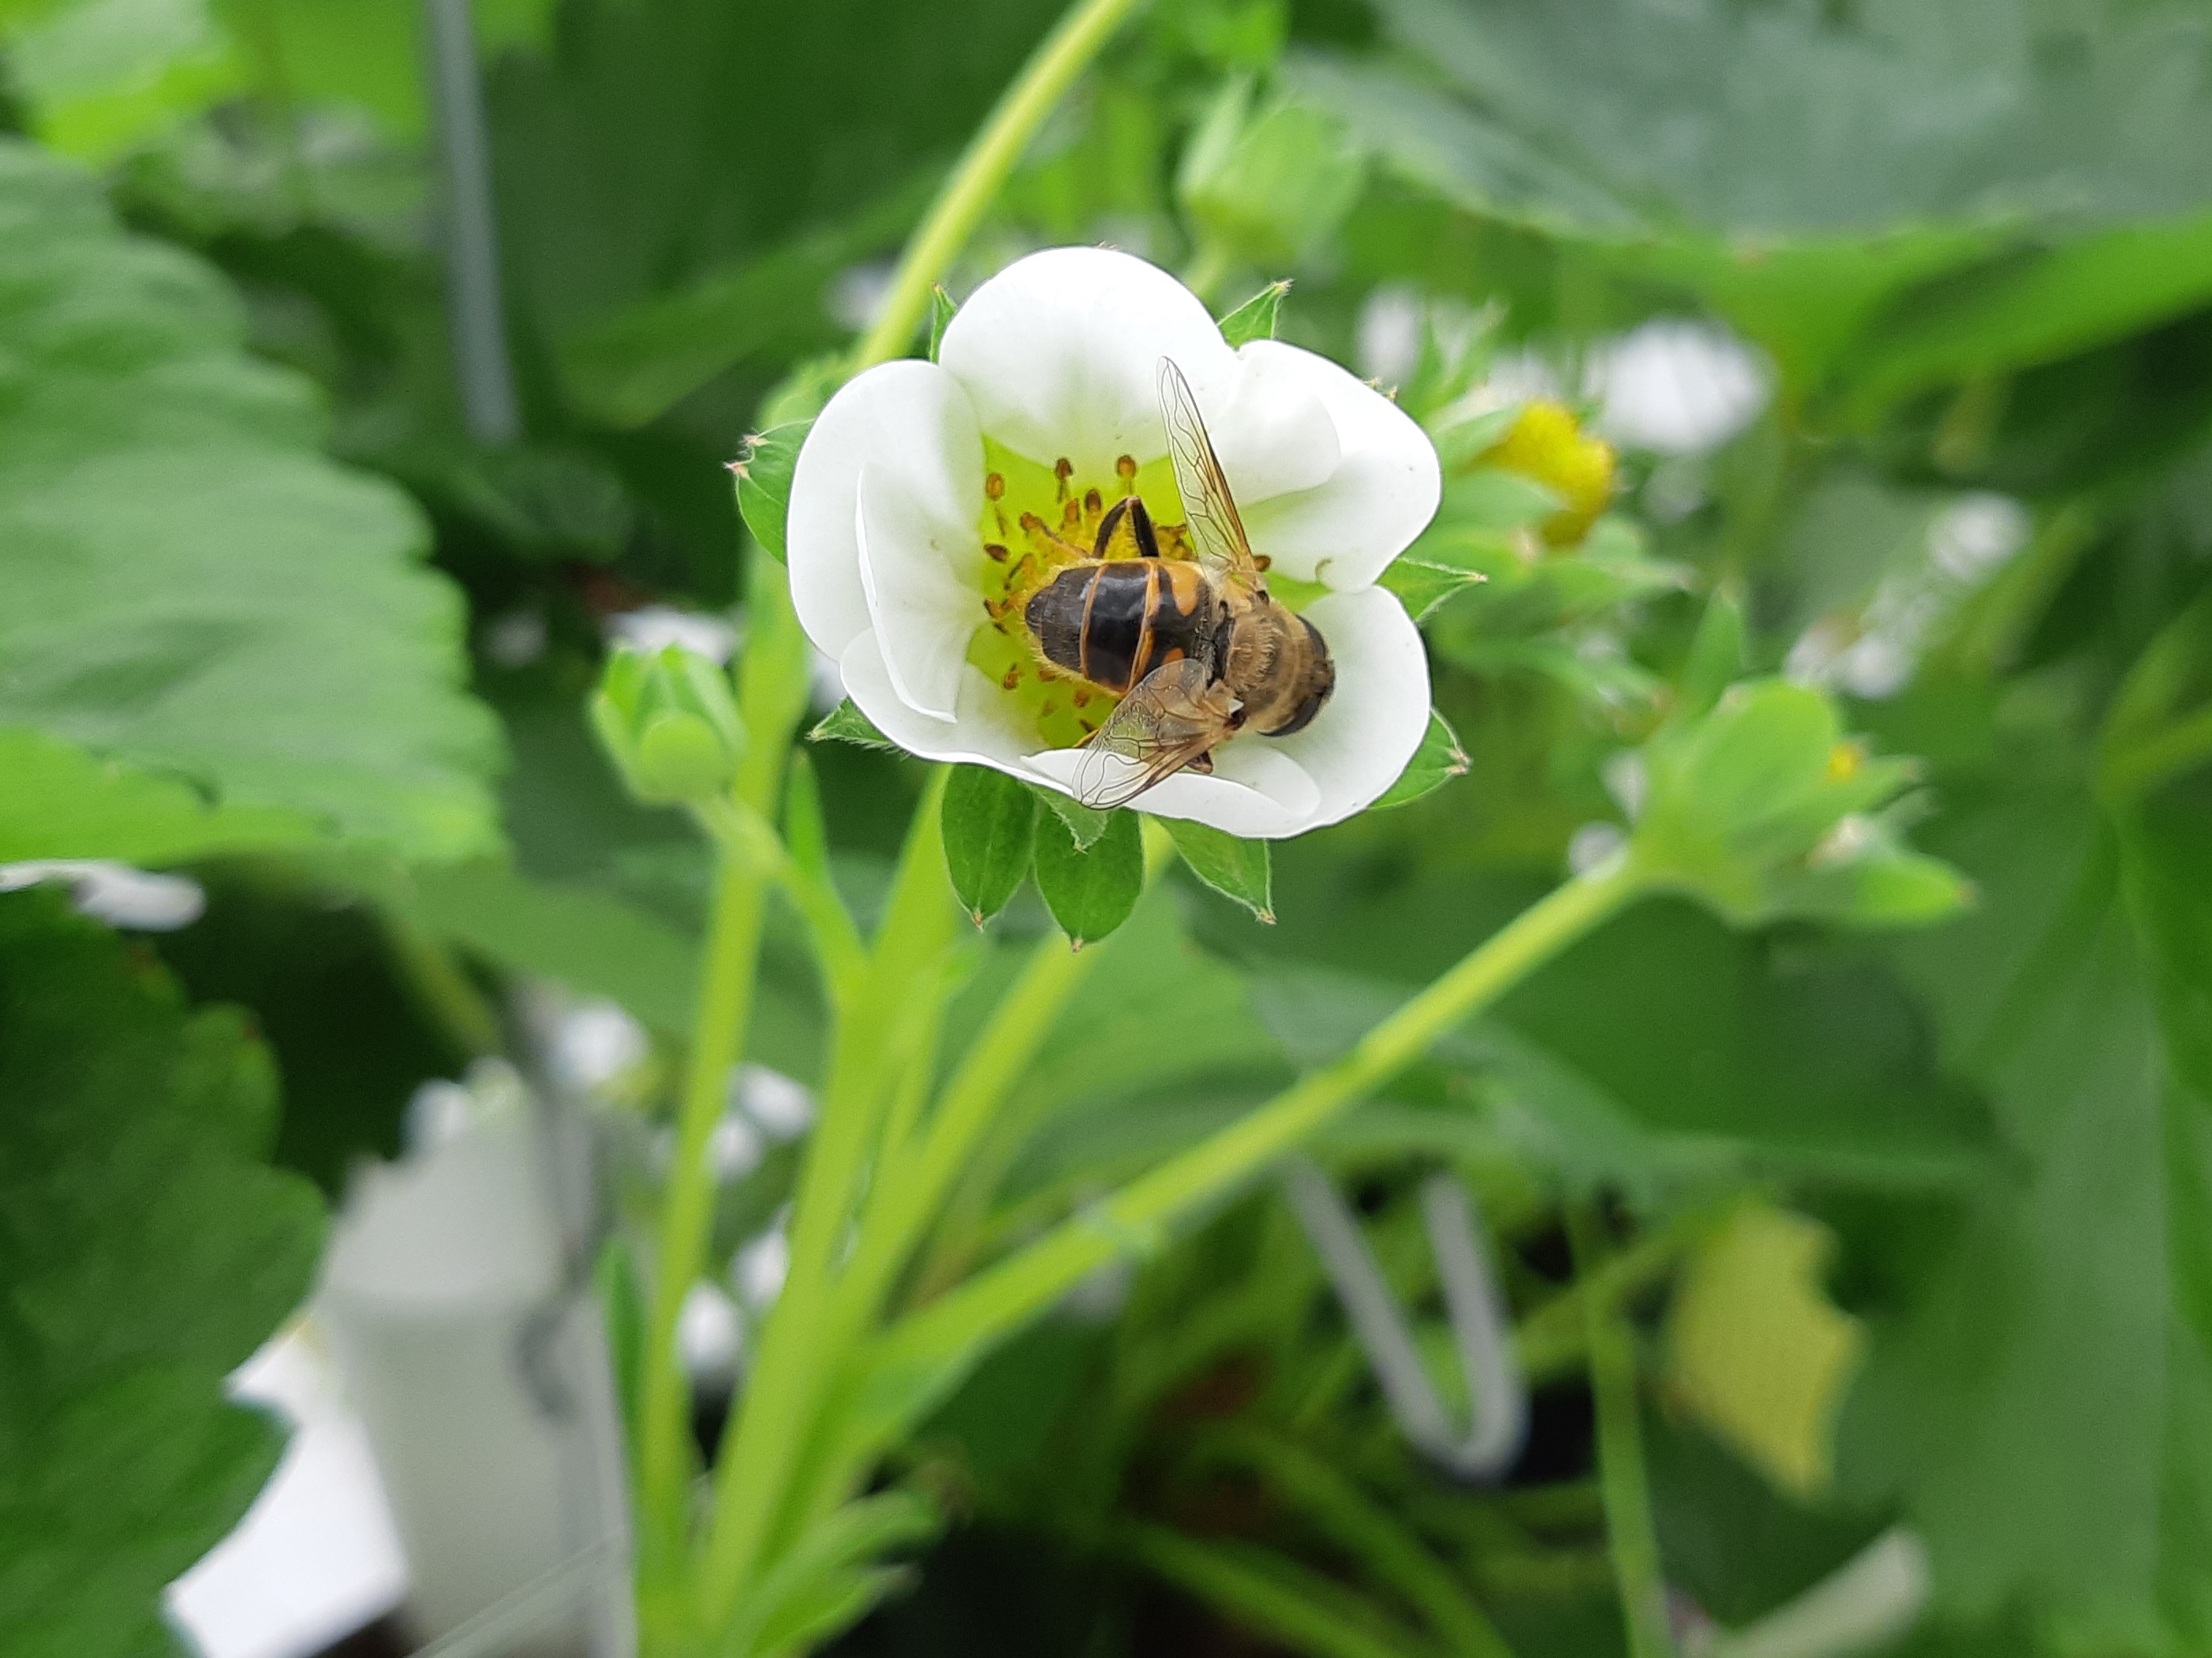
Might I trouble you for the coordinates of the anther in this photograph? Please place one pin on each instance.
(1011, 678)
(1263, 561)
(1044, 673)
(1082, 698)
(1063, 468)
(1126, 470)
(996, 552)
(994, 484)
(1092, 505)
(1071, 516)
(1050, 709)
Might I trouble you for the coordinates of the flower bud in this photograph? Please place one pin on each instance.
(668, 720)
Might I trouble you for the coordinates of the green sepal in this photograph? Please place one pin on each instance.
(1085, 823)
(669, 722)
(990, 831)
(1423, 586)
(1090, 892)
(846, 723)
(1235, 868)
(1255, 318)
(941, 312)
(1438, 760)
(764, 481)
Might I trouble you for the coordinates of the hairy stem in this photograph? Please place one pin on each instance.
(770, 1430)
(975, 184)
(934, 1347)
(772, 691)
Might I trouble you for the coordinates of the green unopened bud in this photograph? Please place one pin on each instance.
(1761, 804)
(668, 720)
(1270, 186)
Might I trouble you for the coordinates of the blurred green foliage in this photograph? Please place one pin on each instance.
(1966, 253)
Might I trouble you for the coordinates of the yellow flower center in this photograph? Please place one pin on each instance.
(1036, 520)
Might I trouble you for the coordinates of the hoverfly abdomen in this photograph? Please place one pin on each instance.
(1113, 622)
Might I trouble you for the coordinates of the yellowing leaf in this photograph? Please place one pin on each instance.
(1756, 1352)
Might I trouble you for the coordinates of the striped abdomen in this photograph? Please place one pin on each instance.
(1113, 622)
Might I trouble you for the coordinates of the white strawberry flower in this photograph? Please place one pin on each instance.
(1046, 382)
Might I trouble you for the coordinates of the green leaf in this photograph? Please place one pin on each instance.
(1090, 891)
(764, 481)
(60, 802)
(2074, 995)
(1255, 318)
(149, 1250)
(990, 826)
(1757, 1350)
(1085, 823)
(1235, 868)
(941, 312)
(846, 723)
(1435, 763)
(629, 367)
(1423, 586)
(192, 588)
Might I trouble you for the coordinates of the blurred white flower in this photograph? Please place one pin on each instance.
(595, 1043)
(856, 293)
(1592, 844)
(115, 893)
(1675, 387)
(655, 627)
(783, 1109)
(1387, 337)
(760, 1268)
(733, 1146)
(1873, 651)
(1055, 360)
(709, 1335)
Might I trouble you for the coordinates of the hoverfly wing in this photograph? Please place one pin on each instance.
(1215, 529)
(1175, 715)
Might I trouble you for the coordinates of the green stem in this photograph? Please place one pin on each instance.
(748, 838)
(994, 1061)
(976, 182)
(944, 1338)
(441, 986)
(1369, 1532)
(1623, 1479)
(772, 691)
(771, 1427)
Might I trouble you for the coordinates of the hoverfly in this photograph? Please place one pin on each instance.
(1196, 647)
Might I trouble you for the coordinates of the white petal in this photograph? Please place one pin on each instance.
(1369, 729)
(1384, 489)
(1257, 791)
(1059, 352)
(918, 567)
(911, 428)
(1274, 433)
(986, 728)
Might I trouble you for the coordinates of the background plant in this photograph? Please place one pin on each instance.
(1950, 1174)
